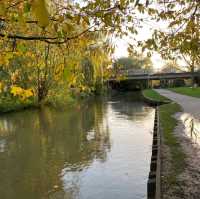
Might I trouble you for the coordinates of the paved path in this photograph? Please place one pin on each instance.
(188, 183)
(189, 104)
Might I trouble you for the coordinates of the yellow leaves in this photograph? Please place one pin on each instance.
(30, 54)
(122, 2)
(61, 19)
(59, 69)
(28, 93)
(2, 9)
(72, 80)
(68, 27)
(15, 90)
(1, 87)
(41, 13)
(23, 94)
(86, 19)
(5, 58)
(191, 26)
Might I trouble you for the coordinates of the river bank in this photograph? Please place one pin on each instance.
(10, 103)
(180, 152)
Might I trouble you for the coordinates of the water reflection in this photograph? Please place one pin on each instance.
(2, 145)
(41, 143)
(96, 150)
(192, 127)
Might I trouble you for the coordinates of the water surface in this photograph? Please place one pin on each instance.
(98, 150)
(191, 127)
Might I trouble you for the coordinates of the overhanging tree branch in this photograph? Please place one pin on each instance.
(49, 40)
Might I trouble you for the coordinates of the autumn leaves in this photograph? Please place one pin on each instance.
(40, 11)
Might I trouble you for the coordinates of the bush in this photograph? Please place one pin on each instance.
(9, 103)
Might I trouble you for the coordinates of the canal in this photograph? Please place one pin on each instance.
(99, 149)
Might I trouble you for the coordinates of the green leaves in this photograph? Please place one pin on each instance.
(22, 48)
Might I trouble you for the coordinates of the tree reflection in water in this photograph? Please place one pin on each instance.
(102, 147)
(40, 144)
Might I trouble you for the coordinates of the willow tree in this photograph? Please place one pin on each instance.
(62, 30)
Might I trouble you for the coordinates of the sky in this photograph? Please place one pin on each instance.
(144, 33)
(121, 51)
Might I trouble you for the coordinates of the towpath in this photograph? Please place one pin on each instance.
(188, 135)
(189, 104)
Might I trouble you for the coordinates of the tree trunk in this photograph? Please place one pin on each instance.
(42, 91)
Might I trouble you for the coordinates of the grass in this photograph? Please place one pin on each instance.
(194, 92)
(168, 123)
(153, 95)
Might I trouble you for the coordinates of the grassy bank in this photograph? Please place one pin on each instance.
(168, 124)
(154, 96)
(194, 92)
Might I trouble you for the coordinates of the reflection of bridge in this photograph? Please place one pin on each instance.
(133, 81)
